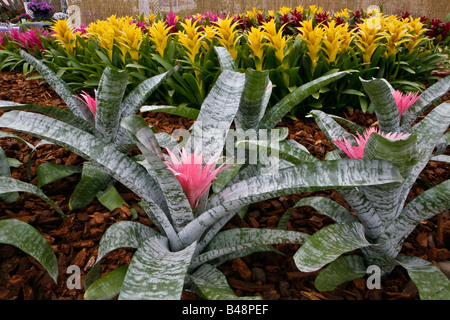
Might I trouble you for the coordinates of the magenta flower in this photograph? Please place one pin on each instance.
(89, 101)
(194, 176)
(357, 152)
(404, 101)
(30, 39)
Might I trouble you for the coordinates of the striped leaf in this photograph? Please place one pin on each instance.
(294, 179)
(28, 239)
(137, 97)
(380, 93)
(181, 110)
(432, 283)
(180, 211)
(8, 185)
(75, 105)
(242, 239)
(217, 113)
(257, 90)
(213, 284)
(122, 234)
(328, 243)
(285, 105)
(225, 59)
(330, 127)
(428, 204)
(327, 207)
(155, 272)
(109, 98)
(341, 270)
(5, 171)
(427, 97)
(119, 166)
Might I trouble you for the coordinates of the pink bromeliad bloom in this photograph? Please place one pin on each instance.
(357, 152)
(89, 101)
(404, 101)
(194, 176)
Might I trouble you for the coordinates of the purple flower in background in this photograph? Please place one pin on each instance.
(41, 9)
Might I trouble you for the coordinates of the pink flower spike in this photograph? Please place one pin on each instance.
(89, 101)
(357, 152)
(404, 101)
(194, 176)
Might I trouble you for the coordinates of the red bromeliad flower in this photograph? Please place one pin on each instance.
(357, 152)
(194, 176)
(404, 101)
(89, 101)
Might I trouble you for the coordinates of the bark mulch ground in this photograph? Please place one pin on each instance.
(270, 275)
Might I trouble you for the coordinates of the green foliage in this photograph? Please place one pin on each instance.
(383, 219)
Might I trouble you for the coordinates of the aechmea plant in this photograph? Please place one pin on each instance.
(99, 115)
(404, 101)
(195, 176)
(383, 221)
(183, 252)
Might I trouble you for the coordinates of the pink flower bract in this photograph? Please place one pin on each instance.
(357, 152)
(89, 101)
(194, 176)
(404, 101)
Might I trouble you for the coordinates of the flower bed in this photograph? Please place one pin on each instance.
(339, 193)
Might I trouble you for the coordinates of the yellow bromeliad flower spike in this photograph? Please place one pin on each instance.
(332, 41)
(226, 32)
(276, 39)
(209, 33)
(284, 10)
(104, 33)
(416, 29)
(191, 39)
(369, 35)
(130, 39)
(159, 35)
(397, 34)
(256, 41)
(313, 37)
(64, 35)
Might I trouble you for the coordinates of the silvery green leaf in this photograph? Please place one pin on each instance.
(49, 172)
(8, 185)
(242, 239)
(137, 97)
(55, 112)
(217, 113)
(427, 97)
(327, 207)
(329, 126)
(109, 98)
(93, 179)
(13, 136)
(225, 59)
(119, 166)
(328, 243)
(254, 99)
(108, 286)
(428, 204)
(29, 240)
(179, 209)
(295, 179)
(181, 110)
(122, 234)
(155, 272)
(441, 158)
(285, 105)
(75, 105)
(213, 284)
(5, 171)
(431, 282)
(380, 93)
(341, 270)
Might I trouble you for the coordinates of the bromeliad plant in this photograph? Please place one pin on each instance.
(188, 245)
(99, 116)
(382, 221)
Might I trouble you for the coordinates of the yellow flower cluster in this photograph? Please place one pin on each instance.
(325, 40)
